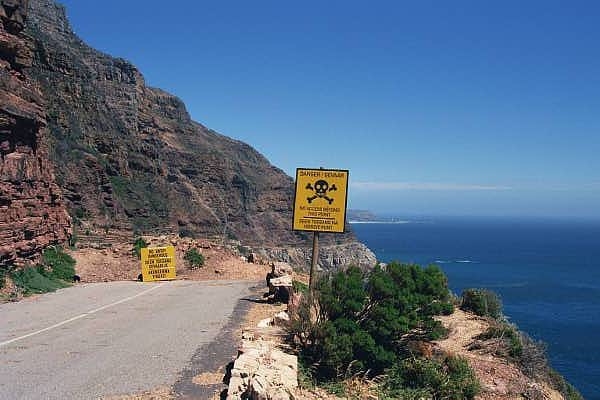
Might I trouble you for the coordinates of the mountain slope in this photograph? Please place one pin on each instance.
(129, 157)
(129, 154)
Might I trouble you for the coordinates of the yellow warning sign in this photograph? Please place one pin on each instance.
(158, 263)
(320, 200)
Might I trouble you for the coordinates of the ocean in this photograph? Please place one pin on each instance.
(547, 273)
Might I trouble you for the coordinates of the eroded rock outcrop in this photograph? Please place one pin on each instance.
(32, 214)
(331, 256)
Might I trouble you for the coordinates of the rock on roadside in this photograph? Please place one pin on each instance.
(262, 372)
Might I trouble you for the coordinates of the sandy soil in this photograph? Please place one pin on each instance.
(161, 393)
(119, 263)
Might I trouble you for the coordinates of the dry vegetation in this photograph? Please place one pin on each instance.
(500, 379)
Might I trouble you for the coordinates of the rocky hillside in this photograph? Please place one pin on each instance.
(128, 154)
(128, 157)
(32, 214)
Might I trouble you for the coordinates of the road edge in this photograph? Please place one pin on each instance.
(223, 350)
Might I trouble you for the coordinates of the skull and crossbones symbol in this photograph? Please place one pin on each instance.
(321, 189)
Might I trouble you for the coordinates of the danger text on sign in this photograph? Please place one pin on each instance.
(320, 200)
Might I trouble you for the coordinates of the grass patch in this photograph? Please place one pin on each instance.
(34, 280)
(417, 378)
(55, 271)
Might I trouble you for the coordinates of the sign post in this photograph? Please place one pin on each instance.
(320, 202)
(158, 263)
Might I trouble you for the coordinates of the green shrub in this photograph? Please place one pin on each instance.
(138, 245)
(195, 258)
(61, 265)
(417, 378)
(3, 274)
(299, 287)
(33, 280)
(358, 322)
(305, 375)
(434, 330)
(440, 308)
(482, 302)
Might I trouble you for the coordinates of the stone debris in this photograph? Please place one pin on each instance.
(282, 268)
(265, 323)
(281, 318)
(262, 372)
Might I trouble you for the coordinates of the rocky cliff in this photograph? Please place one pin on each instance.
(128, 157)
(32, 214)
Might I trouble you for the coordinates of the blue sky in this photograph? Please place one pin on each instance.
(436, 108)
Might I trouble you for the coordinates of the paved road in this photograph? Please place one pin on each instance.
(102, 339)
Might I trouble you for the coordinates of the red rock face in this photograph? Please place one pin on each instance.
(32, 214)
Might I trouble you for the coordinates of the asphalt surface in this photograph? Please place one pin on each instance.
(104, 339)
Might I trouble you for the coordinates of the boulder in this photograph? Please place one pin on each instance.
(281, 318)
(281, 268)
(281, 288)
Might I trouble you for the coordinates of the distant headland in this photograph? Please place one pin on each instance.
(369, 217)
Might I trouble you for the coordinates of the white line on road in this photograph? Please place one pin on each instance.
(79, 316)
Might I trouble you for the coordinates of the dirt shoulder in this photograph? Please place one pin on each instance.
(118, 261)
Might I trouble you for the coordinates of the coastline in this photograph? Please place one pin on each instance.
(545, 271)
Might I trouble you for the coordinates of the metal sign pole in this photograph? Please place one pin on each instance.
(315, 258)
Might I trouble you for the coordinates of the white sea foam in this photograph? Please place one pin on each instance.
(507, 285)
(454, 261)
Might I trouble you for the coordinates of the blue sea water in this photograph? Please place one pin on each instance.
(547, 273)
